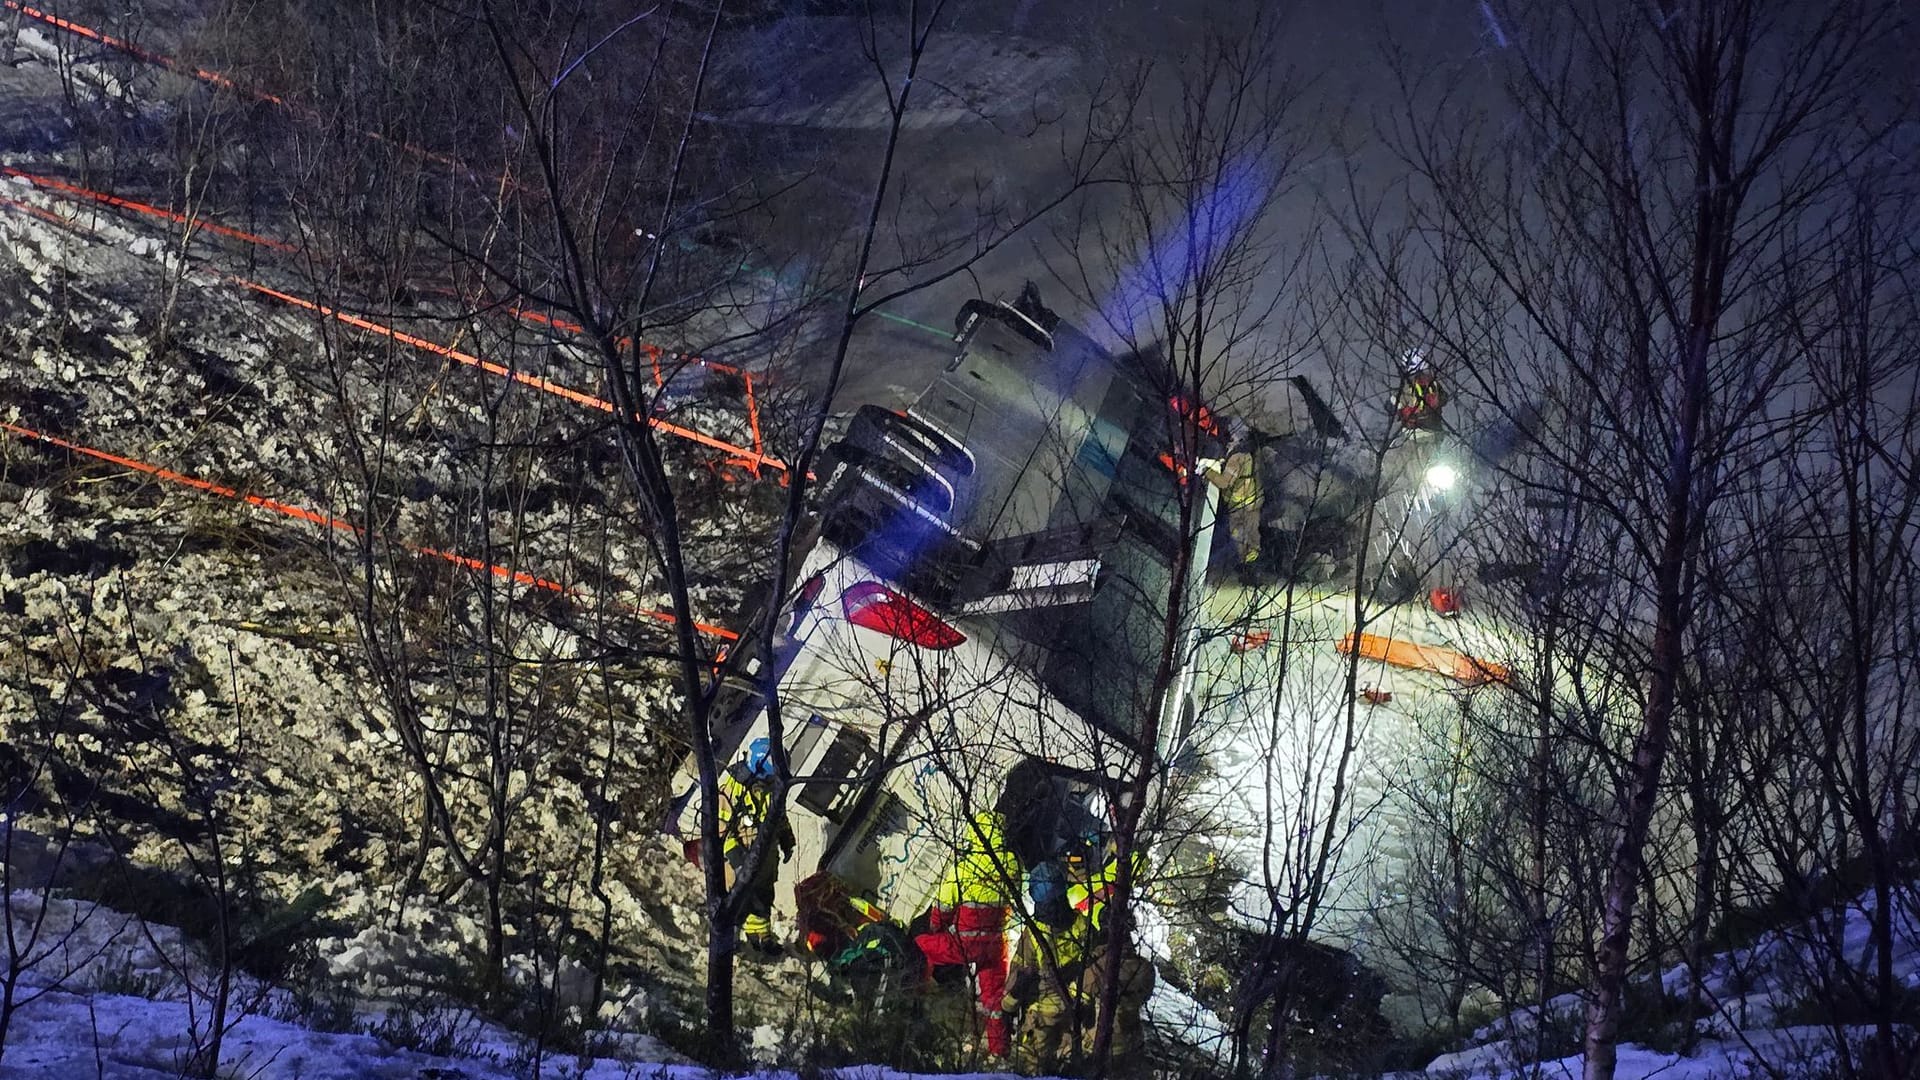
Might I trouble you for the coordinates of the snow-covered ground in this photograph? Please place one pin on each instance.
(151, 629)
(109, 995)
(1752, 992)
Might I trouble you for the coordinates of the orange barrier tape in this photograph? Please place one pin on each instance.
(654, 352)
(547, 385)
(1434, 658)
(182, 479)
(209, 225)
(300, 513)
(659, 379)
(211, 78)
(753, 413)
(565, 326)
(43, 213)
(752, 459)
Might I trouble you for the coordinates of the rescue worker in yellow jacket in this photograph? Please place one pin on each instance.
(1418, 405)
(746, 800)
(966, 926)
(1089, 897)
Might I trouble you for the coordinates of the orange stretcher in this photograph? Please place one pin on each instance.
(1434, 658)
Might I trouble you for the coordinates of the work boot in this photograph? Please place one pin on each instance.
(765, 946)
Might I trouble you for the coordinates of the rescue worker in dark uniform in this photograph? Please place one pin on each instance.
(746, 799)
(1103, 963)
(1041, 983)
(1240, 501)
(1059, 1003)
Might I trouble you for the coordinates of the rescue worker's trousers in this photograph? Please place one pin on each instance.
(974, 935)
(757, 925)
(1047, 1031)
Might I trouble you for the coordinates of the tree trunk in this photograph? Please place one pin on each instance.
(1672, 610)
(9, 986)
(1276, 1062)
(1706, 884)
(723, 941)
(1713, 208)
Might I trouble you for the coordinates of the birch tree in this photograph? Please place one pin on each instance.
(1616, 238)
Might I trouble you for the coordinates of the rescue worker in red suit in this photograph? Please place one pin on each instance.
(968, 921)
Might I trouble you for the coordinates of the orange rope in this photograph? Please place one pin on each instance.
(654, 353)
(529, 315)
(211, 78)
(753, 414)
(116, 201)
(549, 386)
(43, 213)
(753, 458)
(300, 513)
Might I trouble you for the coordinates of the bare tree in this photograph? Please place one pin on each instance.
(580, 258)
(1834, 600)
(1625, 235)
(1192, 263)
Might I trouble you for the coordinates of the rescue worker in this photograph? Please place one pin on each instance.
(1418, 406)
(1046, 969)
(1239, 482)
(966, 926)
(1104, 963)
(1041, 990)
(1089, 897)
(746, 801)
(1059, 1004)
(828, 914)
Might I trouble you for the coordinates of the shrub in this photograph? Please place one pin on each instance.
(430, 1023)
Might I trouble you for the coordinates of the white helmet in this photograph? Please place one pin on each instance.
(1413, 361)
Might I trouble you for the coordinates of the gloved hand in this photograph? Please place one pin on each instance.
(786, 847)
(1023, 985)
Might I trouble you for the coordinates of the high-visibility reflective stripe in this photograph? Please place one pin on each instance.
(301, 513)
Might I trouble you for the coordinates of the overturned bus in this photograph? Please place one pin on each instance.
(987, 598)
